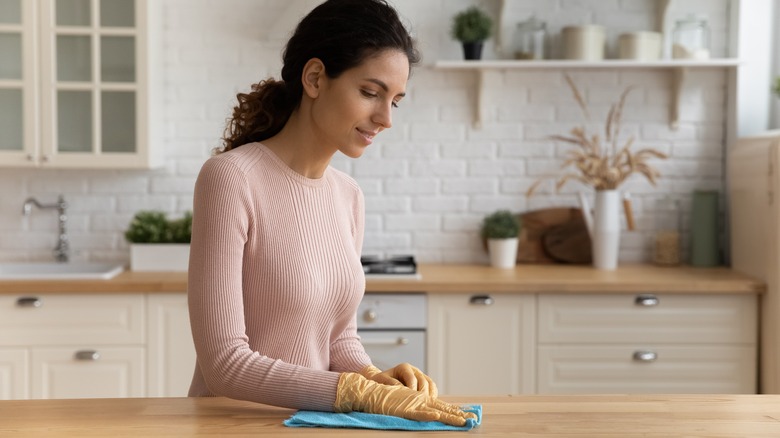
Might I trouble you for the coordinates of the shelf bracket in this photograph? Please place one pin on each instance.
(678, 81)
(479, 111)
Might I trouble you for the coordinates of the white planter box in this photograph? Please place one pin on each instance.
(157, 257)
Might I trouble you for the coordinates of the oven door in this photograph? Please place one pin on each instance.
(388, 348)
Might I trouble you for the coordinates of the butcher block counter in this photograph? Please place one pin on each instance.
(622, 416)
(438, 278)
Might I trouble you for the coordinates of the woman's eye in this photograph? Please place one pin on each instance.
(368, 93)
(395, 104)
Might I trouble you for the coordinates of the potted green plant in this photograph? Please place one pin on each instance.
(501, 230)
(158, 243)
(472, 27)
(776, 86)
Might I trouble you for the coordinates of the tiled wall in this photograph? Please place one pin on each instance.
(430, 179)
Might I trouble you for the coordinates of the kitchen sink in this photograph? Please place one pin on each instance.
(59, 271)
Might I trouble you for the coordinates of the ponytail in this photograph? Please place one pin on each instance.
(259, 115)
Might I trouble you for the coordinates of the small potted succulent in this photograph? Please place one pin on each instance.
(501, 230)
(158, 243)
(472, 27)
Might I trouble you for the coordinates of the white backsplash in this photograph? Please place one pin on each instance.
(431, 178)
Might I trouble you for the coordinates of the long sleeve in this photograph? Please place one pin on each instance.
(274, 280)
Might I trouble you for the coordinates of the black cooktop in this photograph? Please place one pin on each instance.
(401, 264)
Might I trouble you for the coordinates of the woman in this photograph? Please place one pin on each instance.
(275, 275)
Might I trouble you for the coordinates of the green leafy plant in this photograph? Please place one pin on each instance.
(472, 25)
(776, 86)
(501, 224)
(154, 227)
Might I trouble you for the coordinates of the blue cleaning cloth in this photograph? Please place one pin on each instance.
(362, 420)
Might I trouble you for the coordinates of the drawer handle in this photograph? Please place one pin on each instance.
(29, 302)
(369, 315)
(645, 356)
(87, 355)
(400, 341)
(647, 300)
(481, 300)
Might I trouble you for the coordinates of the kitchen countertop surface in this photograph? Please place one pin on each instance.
(450, 278)
(538, 416)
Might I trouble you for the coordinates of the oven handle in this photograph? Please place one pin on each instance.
(398, 341)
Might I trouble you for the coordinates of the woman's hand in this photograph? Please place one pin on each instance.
(403, 374)
(357, 393)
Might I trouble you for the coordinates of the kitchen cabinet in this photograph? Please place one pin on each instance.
(77, 89)
(646, 343)
(14, 374)
(171, 359)
(73, 346)
(482, 344)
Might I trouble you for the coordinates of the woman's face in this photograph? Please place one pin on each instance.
(353, 108)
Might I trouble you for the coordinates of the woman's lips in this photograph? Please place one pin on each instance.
(367, 136)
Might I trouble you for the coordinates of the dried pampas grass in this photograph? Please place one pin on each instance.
(602, 166)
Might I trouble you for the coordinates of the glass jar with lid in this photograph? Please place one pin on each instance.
(691, 38)
(667, 232)
(530, 39)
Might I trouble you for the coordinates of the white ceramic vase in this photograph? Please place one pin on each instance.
(503, 252)
(606, 229)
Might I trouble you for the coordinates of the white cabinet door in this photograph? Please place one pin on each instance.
(84, 98)
(171, 359)
(14, 374)
(88, 372)
(19, 83)
(482, 345)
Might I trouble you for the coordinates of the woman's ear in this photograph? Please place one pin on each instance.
(312, 77)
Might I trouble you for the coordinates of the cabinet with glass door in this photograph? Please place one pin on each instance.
(76, 84)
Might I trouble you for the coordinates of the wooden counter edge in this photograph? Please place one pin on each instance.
(446, 278)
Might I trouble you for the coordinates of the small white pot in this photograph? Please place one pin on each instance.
(159, 257)
(503, 252)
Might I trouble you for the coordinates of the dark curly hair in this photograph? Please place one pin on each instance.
(342, 34)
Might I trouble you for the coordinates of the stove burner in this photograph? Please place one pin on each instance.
(401, 264)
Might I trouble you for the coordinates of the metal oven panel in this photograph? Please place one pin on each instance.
(392, 311)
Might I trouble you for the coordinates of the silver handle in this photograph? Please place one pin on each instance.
(399, 341)
(87, 355)
(647, 300)
(29, 302)
(481, 300)
(369, 315)
(645, 356)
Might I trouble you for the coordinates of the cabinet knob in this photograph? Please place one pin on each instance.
(481, 300)
(29, 302)
(87, 355)
(645, 356)
(647, 300)
(369, 315)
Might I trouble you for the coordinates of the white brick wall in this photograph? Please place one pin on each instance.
(429, 180)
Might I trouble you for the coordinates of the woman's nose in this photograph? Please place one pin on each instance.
(384, 116)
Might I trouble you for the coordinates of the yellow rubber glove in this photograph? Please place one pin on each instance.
(356, 393)
(404, 374)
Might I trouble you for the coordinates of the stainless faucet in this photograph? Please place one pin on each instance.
(61, 250)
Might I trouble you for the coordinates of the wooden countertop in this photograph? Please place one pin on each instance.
(538, 416)
(439, 278)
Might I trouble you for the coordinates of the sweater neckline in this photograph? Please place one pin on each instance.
(287, 170)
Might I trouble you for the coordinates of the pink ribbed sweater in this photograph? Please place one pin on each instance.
(274, 280)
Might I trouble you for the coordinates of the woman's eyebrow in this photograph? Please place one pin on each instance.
(383, 85)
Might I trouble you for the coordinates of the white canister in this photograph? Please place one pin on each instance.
(641, 46)
(585, 43)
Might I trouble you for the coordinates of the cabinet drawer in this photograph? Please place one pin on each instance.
(676, 369)
(394, 311)
(691, 319)
(14, 375)
(87, 372)
(71, 319)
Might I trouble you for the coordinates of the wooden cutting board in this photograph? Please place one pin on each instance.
(554, 235)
